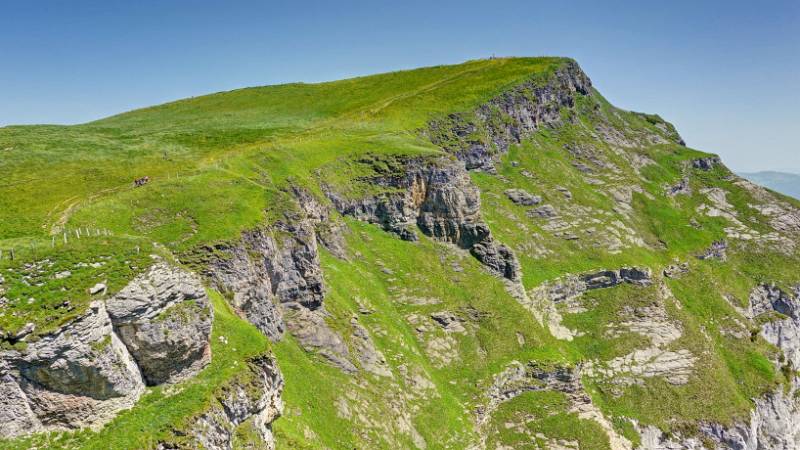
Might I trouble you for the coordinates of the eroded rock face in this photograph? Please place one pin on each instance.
(509, 118)
(155, 330)
(437, 197)
(782, 331)
(233, 269)
(774, 424)
(275, 277)
(164, 319)
(254, 396)
(277, 265)
(775, 419)
(517, 379)
(81, 375)
(707, 163)
(15, 411)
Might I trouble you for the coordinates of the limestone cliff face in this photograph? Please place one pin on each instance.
(155, 330)
(275, 277)
(164, 319)
(437, 197)
(775, 418)
(774, 424)
(478, 138)
(782, 331)
(79, 376)
(252, 399)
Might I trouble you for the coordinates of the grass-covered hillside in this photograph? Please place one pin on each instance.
(415, 341)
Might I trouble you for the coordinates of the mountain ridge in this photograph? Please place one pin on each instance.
(787, 183)
(469, 256)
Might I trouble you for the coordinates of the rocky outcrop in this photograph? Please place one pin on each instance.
(781, 318)
(436, 196)
(717, 250)
(774, 424)
(543, 301)
(676, 270)
(78, 376)
(252, 398)
(88, 370)
(517, 379)
(707, 163)
(234, 270)
(522, 197)
(277, 265)
(610, 278)
(164, 319)
(682, 187)
(310, 329)
(775, 418)
(478, 137)
(274, 276)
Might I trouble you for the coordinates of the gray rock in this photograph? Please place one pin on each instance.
(15, 412)
(523, 197)
(717, 250)
(164, 319)
(370, 358)
(544, 212)
(509, 118)
(236, 270)
(24, 331)
(278, 265)
(98, 288)
(449, 321)
(436, 195)
(567, 193)
(636, 275)
(602, 279)
(80, 375)
(676, 270)
(707, 163)
(254, 396)
(774, 424)
(783, 332)
(680, 188)
(314, 334)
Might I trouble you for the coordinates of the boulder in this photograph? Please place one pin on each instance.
(80, 375)
(523, 197)
(164, 318)
(707, 163)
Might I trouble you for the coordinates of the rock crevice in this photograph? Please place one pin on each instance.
(477, 138)
(88, 370)
(436, 196)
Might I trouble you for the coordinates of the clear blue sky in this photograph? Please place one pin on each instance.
(727, 73)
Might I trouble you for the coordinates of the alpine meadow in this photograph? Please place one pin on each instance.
(486, 255)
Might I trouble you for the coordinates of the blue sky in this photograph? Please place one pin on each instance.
(726, 73)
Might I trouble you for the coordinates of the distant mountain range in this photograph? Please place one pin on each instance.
(783, 182)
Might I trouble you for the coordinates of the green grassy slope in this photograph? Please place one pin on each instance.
(220, 164)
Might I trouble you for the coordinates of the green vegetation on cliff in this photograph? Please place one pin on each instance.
(435, 337)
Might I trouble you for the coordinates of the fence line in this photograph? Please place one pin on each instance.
(11, 253)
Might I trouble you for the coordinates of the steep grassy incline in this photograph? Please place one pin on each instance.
(243, 143)
(471, 256)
